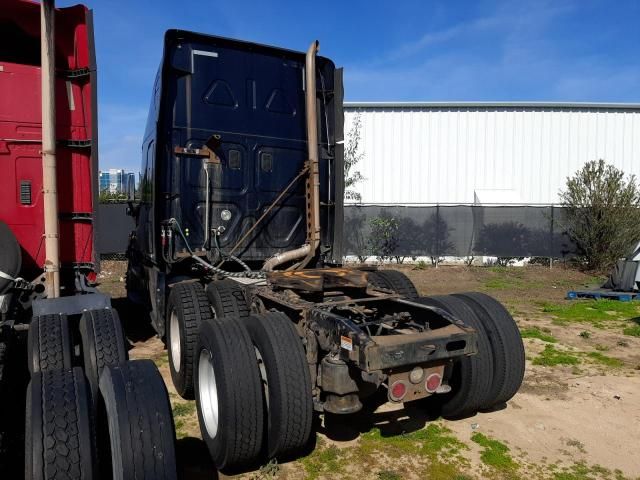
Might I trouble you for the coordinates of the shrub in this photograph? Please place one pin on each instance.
(602, 213)
(384, 238)
(352, 156)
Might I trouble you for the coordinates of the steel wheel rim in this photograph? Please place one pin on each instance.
(208, 393)
(174, 334)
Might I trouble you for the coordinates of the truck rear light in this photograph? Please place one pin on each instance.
(416, 375)
(397, 391)
(433, 382)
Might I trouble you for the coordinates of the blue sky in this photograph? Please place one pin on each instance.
(581, 50)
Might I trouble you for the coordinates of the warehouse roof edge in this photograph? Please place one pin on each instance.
(435, 105)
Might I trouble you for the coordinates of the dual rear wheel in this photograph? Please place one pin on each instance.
(248, 374)
(188, 307)
(80, 408)
(253, 390)
(491, 377)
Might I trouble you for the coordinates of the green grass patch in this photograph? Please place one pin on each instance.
(506, 278)
(582, 471)
(494, 453)
(269, 470)
(323, 460)
(595, 312)
(535, 332)
(550, 357)
(161, 360)
(180, 428)
(434, 449)
(602, 359)
(501, 283)
(633, 330)
(506, 271)
(389, 475)
(183, 409)
(431, 440)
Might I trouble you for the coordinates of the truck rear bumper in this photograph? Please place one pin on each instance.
(392, 351)
(384, 352)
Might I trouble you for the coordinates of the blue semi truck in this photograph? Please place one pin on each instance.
(237, 255)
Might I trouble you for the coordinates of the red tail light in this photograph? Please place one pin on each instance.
(433, 382)
(397, 391)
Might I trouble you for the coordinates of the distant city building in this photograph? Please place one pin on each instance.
(118, 181)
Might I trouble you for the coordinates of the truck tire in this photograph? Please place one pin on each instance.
(49, 343)
(394, 280)
(287, 382)
(59, 442)
(103, 344)
(229, 395)
(472, 376)
(187, 308)
(141, 429)
(227, 299)
(506, 346)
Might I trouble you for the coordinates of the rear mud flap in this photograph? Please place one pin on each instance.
(71, 305)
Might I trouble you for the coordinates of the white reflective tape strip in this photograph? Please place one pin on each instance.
(6, 276)
(72, 103)
(202, 53)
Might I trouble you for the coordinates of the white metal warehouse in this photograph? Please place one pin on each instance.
(487, 153)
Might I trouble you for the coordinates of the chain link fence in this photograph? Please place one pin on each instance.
(456, 231)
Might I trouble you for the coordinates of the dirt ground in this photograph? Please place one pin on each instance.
(577, 415)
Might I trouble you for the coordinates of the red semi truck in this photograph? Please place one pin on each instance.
(77, 389)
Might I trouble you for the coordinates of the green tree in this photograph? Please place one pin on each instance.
(352, 156)
(111, 197)
(602, 213)
(384, 239)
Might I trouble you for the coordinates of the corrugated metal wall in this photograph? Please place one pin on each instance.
(487, 153)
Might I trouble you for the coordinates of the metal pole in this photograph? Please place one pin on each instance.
(437, 235)
(551, 240)
(50, 191)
